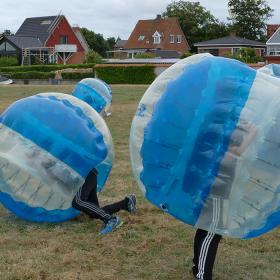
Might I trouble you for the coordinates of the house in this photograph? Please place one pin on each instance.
(229, 45)
(159, 34)
(118, 51)
(49, 39)
(273, 44)
(81, 38)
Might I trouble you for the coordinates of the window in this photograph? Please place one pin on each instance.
(274, 51)
(236, 51)
(157, 38)
(63, 39)
(179, 39)
(141, 37)
(172, 39)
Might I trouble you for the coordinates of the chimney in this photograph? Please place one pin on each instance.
(158, 17)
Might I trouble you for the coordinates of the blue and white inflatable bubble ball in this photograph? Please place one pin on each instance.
(48, 144)
(271, 69)
(205, 146)
(96, 93)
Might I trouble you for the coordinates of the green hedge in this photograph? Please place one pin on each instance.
(43, 68)
(8, 61)
(77, 76)
(126, 75)
(111, 75)
(31, 75)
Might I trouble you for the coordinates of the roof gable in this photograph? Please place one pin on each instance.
(275, 38)
(81, 38)
(145, 30)
(39, 27)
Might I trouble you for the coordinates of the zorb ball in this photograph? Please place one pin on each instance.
(204, 146)
(271, 69)
(96, 93)
(48, 144)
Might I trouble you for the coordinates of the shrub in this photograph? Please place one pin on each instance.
(77, 76)
(32, 75)
(93, 57)
(44, 68)
(126, 75)
(8, 61)
(246, 55)
(145, 55)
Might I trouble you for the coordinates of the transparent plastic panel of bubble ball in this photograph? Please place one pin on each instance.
(204, 146)
(48, 144)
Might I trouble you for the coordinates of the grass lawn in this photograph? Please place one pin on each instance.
(150, 245)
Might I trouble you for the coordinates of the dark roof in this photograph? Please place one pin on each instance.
(38, 27)
(120, 44)
(25, 42)
(230, 40)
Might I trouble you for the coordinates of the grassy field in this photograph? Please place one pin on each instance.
(150, 245)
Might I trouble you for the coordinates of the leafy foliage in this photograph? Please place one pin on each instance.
(145, 55)
(8, 61)
(93, 57)
(247, 55)
(43, 68)
(97, 42)
(197, 23)
(249, 18)
(126, 75)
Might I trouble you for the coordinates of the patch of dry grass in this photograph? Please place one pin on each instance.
(150, 245)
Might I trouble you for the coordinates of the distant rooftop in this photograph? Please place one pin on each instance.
(25, 42)
(230, 40)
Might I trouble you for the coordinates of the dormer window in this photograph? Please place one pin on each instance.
(141, 37)
(157, 38)
(179, 39)
(172, 39)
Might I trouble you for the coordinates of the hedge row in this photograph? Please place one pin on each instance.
(111, 75)
(77, 76)
(32, 75)
(126, 75)
(43, 68)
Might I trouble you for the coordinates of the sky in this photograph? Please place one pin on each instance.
(112, 18)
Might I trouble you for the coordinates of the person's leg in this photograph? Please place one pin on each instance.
(205, 250)
(87, 202)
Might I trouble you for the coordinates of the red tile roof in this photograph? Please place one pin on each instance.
(165, 27)
(271, 28)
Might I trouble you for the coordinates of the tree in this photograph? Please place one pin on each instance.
(197, 23)
(97, 42)
(249, 18)
(93, 57)
(7, 32)
(111, 43)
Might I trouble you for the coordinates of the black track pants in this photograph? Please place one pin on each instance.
(86, 200)
(205, 250)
